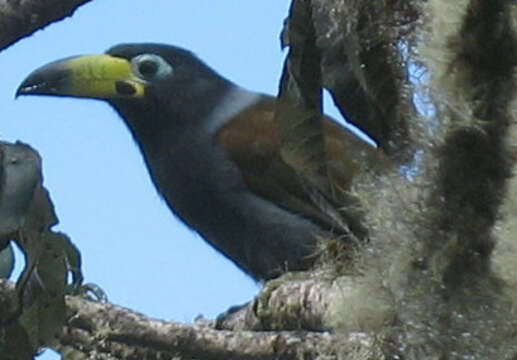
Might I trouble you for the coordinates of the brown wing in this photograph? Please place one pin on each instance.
(251, 142)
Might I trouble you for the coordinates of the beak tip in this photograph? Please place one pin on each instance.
(42, 81)
(34, 85)
(18, 92)
(23, 89)
(28, 86)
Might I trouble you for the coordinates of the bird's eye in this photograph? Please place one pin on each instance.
(150, 67)
(147, 68)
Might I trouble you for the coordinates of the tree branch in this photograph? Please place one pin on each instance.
(107, 330)
(104, 328)
(21, 18)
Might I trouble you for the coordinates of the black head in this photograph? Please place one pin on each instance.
(149, 59)
(174, 78)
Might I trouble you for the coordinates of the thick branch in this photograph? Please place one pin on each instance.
(21, 18)
(109, 329)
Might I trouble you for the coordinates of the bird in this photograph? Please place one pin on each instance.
(211, 151)
(20, 174)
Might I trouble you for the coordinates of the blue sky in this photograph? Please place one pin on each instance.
(132, 246)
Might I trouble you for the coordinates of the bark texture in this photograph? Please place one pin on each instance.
(20, 18)
(106, 331)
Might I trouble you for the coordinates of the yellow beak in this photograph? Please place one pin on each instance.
(90, 76)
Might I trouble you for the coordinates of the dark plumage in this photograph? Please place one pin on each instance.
(211, 150)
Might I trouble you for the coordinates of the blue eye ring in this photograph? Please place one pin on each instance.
(150, 67)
